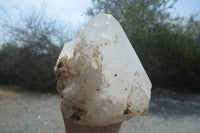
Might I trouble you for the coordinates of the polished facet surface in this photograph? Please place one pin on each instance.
(100, 76)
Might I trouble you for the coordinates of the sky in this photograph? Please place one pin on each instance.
(185, 8)
(72, 11)
(69, 11)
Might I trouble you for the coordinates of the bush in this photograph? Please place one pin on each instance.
(168, 49)
(30, 53)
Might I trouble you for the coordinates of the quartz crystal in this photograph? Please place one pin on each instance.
(100, 77)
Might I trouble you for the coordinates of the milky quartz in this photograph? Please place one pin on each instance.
(100, 77)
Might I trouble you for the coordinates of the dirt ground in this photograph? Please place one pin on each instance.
(170, 112)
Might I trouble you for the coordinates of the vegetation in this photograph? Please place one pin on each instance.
(30, 52)
(169, 48)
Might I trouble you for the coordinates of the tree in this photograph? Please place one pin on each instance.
(168, 51)
(130, 12)
(31, 51)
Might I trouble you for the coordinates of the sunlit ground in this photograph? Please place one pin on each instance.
(25, 112)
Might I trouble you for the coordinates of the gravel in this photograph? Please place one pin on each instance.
(170, 112)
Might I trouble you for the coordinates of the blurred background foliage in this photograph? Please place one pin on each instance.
(168, 47)
(31, 50)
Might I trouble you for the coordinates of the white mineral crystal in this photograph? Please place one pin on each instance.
(100, 76)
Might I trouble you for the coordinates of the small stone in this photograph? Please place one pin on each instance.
(91, 70)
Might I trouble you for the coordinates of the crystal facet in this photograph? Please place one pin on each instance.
(100, 76)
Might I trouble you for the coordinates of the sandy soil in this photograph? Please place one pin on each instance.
(170, 112)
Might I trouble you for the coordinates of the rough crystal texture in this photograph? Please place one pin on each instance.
(100, 76)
